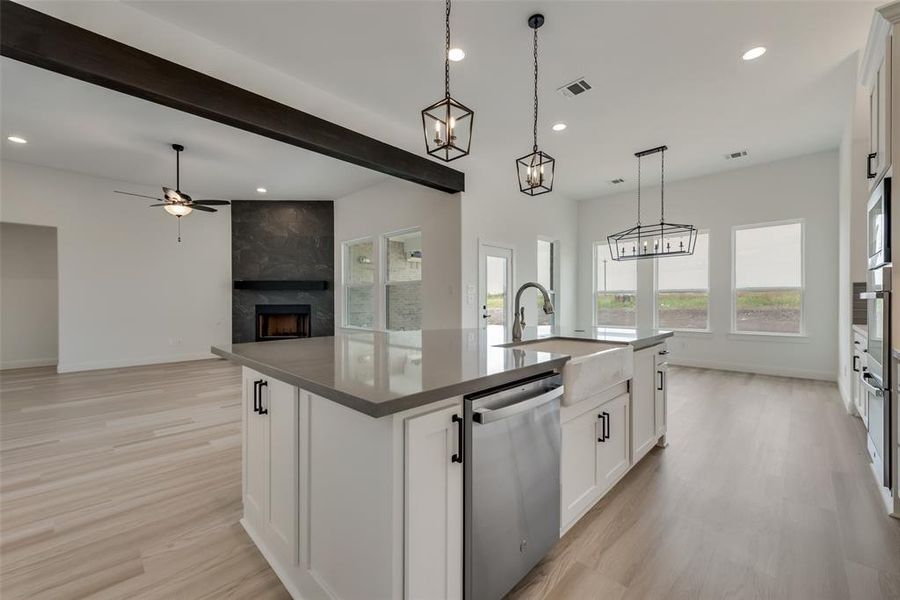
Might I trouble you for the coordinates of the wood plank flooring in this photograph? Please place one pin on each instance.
(126, 484)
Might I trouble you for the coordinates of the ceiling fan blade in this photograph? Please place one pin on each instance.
(211, 202)
(163, 204)
(201, 207)
(138, 195)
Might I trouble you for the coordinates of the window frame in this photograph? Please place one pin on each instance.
(771, 334)
(384, 274)
(594, 291)
(709, 302)
(554, 275)
(345, 286)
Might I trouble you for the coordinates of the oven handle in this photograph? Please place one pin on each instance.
(485, 415)
(875, 389)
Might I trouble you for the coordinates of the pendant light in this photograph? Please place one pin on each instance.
(657, 240)
(447, 123)
(535, 170)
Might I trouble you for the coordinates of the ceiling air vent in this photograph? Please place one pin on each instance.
(737, 154)
(617, 181)
(579, 86)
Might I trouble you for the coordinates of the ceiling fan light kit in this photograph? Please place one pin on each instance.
(658, 240)
(447, 123)
(535, 170)
(177, 203)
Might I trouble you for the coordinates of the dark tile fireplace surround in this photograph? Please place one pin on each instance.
(282, 263)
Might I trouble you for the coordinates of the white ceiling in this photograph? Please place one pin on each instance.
(662, 72)
(80, 127)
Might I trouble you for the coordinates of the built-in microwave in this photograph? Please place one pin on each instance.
(879, 225)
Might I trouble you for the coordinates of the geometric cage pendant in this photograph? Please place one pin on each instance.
(448, 129)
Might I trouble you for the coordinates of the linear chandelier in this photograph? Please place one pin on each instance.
(659, 239)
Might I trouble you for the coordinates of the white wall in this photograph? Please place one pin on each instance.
(129, 293)
(28, 296)
(493, 210)
(395, 205)
(806, 188)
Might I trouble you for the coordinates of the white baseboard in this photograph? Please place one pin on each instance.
(845, 397)
(27, 363)
(757, 369)
(65, 367)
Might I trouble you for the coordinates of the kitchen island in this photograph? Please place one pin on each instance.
(352, 469)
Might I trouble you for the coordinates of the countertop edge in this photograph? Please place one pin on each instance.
(402, 403)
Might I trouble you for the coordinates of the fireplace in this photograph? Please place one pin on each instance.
(282, 321)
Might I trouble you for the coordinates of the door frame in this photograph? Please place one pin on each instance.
(511, 277)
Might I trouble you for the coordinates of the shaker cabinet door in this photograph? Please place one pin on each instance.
(643, 402)
(614, 451)
(578, 469)
(256, 452)
(433, 506)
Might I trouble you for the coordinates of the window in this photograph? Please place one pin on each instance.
(682, 288)
(359, 284)
(615, 285)
(403, 281)
(768, 278)
(547, 277)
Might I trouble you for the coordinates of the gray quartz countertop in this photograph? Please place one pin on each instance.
(860, 329)
(381, 373)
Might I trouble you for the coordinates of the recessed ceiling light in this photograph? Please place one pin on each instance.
(456, 54)
(754, 53)
(17, 140)
(559, 126)
(261, 190)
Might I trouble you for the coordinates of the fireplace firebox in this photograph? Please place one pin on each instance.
(282, 321)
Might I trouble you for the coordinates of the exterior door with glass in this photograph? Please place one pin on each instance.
(495, 286)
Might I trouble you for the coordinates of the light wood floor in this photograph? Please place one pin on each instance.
(126, 484)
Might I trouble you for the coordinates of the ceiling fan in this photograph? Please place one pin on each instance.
(177, 203)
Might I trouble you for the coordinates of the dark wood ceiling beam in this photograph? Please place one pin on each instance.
(38, 39)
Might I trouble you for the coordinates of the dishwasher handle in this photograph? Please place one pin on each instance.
(483, 416)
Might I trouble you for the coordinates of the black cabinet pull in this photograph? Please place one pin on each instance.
(602, 437)
(869, 173)
(262, 411)
(256, 395)
(457, 457)
(856, 363)
(605, 425)
(660, 386)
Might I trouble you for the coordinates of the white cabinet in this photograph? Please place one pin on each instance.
(879, 158)
(661, 409)
(433, 505)
(271, 462)
(613, 451)
(857, 389)
(580, 485)
(643, 402)
(595, 452)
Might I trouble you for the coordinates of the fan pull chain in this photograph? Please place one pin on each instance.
(179, 229)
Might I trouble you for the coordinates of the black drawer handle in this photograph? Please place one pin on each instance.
(256, 395)
(661, 380)
(602, 437)
(869, 173)
(262, 411)
(606, 420)
(856, 363)
(457, 457)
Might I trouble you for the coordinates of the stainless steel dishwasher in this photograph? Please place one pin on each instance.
(511, 483)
